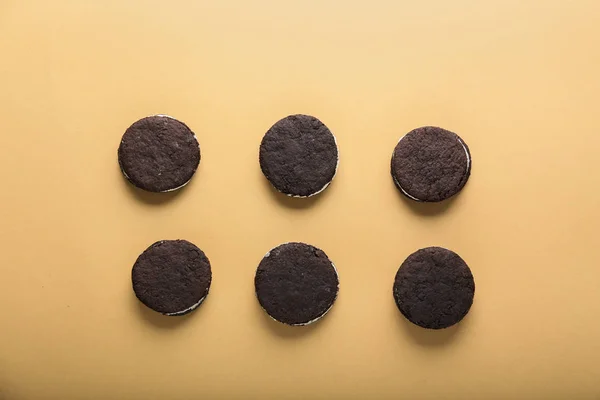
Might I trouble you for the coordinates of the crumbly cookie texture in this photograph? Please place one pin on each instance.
(434, 288)
(159, 154)
(431, 164)
(299, 155)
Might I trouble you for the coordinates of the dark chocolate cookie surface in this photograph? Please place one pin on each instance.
(299, 155)
(434, 288)
(159, 154)
(296, 283)
(172, 277)
(431, 164)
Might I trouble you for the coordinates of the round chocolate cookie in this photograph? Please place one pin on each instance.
(434, 288)
(299, 156)
(431, 164)
(296, 283)
(172, 277)
(159, 154)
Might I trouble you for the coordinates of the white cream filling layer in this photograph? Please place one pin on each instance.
(189, 309)
(324, 312)
(409, 195)
(185, 183)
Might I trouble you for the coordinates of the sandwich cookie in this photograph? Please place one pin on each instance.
(172, 277)
(296, 283)
(431, 164)
(159, 154)
(299, 156)
(434, 288)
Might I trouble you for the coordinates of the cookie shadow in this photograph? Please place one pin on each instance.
(159, 320)
(298, 203)
(427, 209)
(431, 337)
(152, 198)
(288, 331)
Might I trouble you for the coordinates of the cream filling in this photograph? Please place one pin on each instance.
(189, 309)
(178, 187)
(185, 183)
(414, 198)
(324, 312)
(337, 164)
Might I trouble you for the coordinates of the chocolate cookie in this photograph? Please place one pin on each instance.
(431, 164)
(296, 283)
(172, 277)
(434, 288)
(299, 156)
(159, 154)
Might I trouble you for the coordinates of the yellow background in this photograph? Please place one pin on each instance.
(518, 80)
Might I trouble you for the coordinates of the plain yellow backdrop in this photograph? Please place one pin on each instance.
(518, 80)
